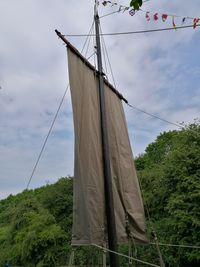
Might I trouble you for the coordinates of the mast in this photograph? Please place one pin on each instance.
(109, 203)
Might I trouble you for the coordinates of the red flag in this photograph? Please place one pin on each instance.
(196, 20)
(164, 17)
(147, 16)
(155, 16)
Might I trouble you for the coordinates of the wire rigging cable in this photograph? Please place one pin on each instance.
(46, 139)
(106, 53)
(95, 50)
(88, 39)
(108, 14)
(56, 114)
(132, 106)
(176, 245)
(155, 116)
(162, 119)
(135, 32)
(125, 256)
(124, 8)
(90, 33)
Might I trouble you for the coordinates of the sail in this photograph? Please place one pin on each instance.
(89, 219)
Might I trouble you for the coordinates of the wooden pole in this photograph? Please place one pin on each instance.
(109, 203)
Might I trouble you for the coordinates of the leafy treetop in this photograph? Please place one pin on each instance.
(136, 4)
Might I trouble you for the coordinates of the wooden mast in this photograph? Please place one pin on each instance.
(109, 203)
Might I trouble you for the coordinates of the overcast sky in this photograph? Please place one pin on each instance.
(157, 72)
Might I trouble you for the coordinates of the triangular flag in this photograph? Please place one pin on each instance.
(147, 16)
(155, 16)
(183, 20)
(126, 8)
(196, 20)
(132, 12)
(173, 23)
(120, 8)
(164, 17)
(114, 4)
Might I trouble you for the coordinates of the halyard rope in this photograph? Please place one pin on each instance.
(125, 256)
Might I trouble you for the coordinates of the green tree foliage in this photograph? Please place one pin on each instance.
(35, 226)
(169, 171)
(136, 4)
(35, 236)
(29, 233)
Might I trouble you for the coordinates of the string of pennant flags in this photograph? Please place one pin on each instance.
(164, 16)
(150, 16)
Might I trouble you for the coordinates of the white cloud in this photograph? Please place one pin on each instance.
(157, 72)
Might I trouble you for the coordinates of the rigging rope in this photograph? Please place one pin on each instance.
(124, 8)
(95, 49)
(89, 39)
(125, 256)
(104, 54)
(162, 119)
(175, 245)
(155, 116)
(46, 139)
(91, 56)
(132, 106)
(89, 33)
(104, 44)
(55, 117)
(135, 32)
(108, 14)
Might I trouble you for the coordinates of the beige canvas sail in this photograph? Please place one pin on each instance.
(89, 222)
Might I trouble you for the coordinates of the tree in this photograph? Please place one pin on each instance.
(136, 4)
(35, 226)
(36, 237)
(169, 171)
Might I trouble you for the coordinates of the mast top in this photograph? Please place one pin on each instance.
(96, 8)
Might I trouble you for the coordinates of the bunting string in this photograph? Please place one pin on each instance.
(152, 16)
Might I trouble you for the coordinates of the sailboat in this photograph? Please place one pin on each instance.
(107, 204)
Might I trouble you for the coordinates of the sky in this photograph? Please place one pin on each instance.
(157, 72)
